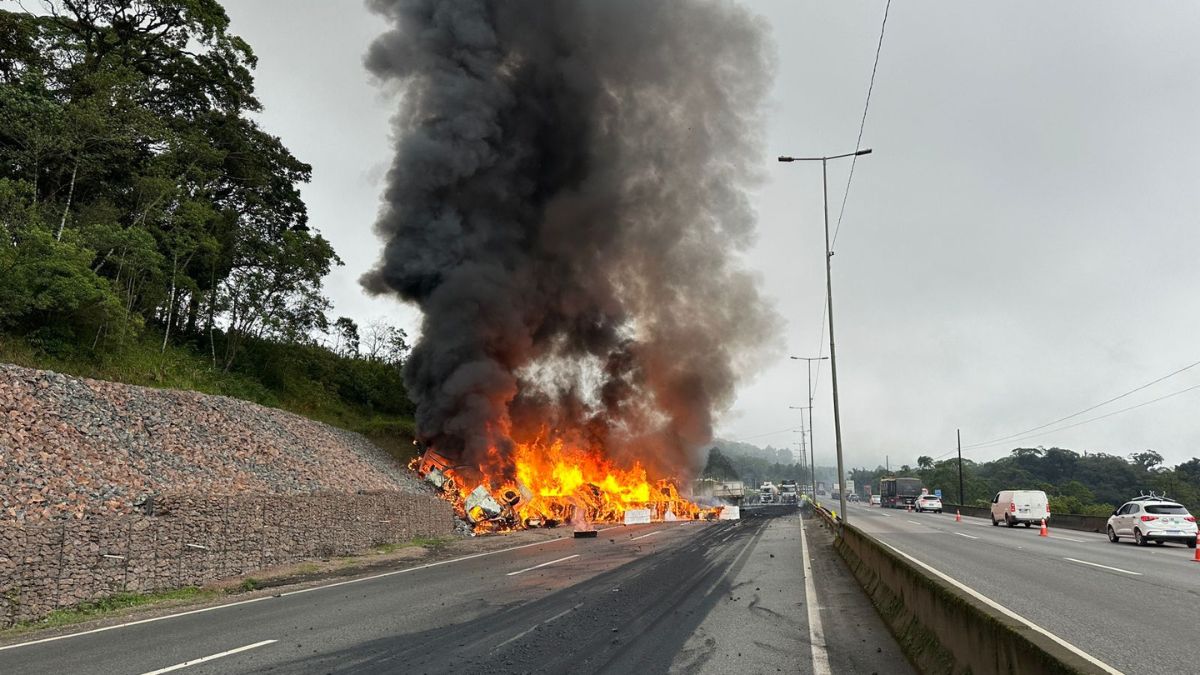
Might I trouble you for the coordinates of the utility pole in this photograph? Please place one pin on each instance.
(811, 443)
(960, 481)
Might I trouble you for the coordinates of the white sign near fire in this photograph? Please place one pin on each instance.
(637, 516)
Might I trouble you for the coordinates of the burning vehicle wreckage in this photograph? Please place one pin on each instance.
(552, 485)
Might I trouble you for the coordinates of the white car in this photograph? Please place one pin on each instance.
(875, 500)
(928, 502)
(1152, 519)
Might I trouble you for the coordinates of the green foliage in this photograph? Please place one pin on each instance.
(1088, 484)
(111, 604)
(719, 467)
(134, 188)
(306, 379)
(151, 232)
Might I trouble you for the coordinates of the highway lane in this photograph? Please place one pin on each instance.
(1134, 608)
(675, 597)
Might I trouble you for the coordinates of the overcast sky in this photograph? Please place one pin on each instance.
(1022, 244)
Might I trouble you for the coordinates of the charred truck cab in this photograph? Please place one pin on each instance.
(899, 493)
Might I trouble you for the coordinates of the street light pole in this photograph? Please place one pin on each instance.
(837, 415)
(811, 443)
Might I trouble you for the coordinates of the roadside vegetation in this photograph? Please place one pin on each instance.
(152, 232)
(1089, 484)
(110, 605)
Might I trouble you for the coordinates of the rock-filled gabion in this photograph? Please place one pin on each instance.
(73, 447)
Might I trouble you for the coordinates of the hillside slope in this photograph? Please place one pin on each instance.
(73, 446)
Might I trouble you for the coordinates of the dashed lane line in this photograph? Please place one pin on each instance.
(193, 662)
(530, 569)
(966, 535)
(281, 595)
(1115, 569)
(529, 630)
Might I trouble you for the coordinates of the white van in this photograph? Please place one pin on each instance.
(1020, 506)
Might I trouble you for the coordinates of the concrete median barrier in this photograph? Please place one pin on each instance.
(944, 627)
(1065, 521)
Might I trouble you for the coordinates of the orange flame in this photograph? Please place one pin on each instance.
(552, 482)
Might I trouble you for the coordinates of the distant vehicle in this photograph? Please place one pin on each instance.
(768, 493)
(898, 493)
(1014, 507)
(1153, 519)
(852, 497)
(789, 492)
(928, 502)
(875, 500)
(729, 491)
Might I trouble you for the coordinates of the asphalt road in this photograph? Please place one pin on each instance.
(674, 597)
(1135, 608)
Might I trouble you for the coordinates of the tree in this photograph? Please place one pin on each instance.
(925, 462)
(386, 343)
(346, 333)
(719, 467)
(124, 133)
(1147, 461)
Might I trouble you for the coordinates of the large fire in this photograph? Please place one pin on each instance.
(554, 482)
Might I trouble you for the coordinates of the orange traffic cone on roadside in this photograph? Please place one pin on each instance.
(957, 516)
(1197, 558)
(1044, 532)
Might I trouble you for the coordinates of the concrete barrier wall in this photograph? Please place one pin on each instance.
(942, 628)
(190, 541)
(1066, 521)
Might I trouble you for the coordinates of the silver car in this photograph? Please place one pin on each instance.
(1153, 519)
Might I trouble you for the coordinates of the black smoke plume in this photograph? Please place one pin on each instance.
(565, 206)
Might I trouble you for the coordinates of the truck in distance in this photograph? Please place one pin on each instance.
(899, 493)
(789, 492)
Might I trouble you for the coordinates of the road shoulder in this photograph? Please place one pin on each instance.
(858, 640)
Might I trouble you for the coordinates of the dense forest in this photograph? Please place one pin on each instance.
(151, 231)
(1091, 483)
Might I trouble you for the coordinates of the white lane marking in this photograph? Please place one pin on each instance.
(649, 534)
(529, 630)
(1115, 569)
(530, 569)
(1008, 612)
(269, 597)
(816, 632)
(968, 536)
(187, 664)
(1077, 541)
(913, 522)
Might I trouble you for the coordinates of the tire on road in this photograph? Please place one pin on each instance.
(1138, 538)
(1112, 536)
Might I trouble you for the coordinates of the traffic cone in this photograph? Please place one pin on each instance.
(1043, 533)
(1197, 558)
(957, 516)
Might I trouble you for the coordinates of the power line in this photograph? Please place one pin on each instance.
(1085, 410)
(1115, 412)
(862, 124)
(763, 435)
(1030, 433)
